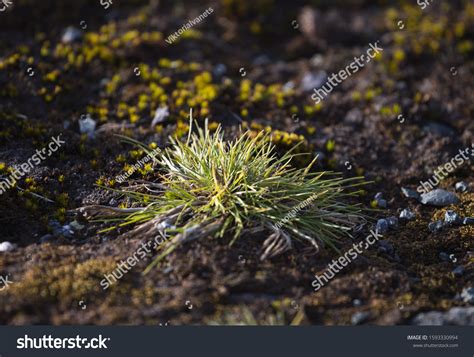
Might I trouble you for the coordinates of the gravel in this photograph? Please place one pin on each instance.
(311, 81)
(433, 318)
(87, 126)
(435, 226)
(467, 295)
(385, 247)
(461, 186)
(409, 193)
(458, 271)
(71, 34)
(452, 218)
(455, 316)
(407, 214)
(382, 226)
(161, 113)
(6, 247)
(468, 221)
(61, 231)
(392, 222)
(47, 238)
(219, 70)
(439, 198)
(439, 129)
(444, 257)
(360, 317)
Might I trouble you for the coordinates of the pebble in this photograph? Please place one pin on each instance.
(444, 257)
(439, 198)
(432, 318)
(392, 222)
(360, 317)
(382, 226)
(67, 231)
(409, 193)
(380, 200)
(378, 196)
(407, 214)
(460, 316)
(435, 226)
(76, 226)
(71, 34)
(61, 231)
(454, 316)
(461, 186)
(288, 86)
(311, 81)
(467, 295)
(261, 60)
(439, 129)
(219, 70)
(354, 116)
(168, 270)
(47, 238)
(357, 302)
(317, 60)
(458, 271)
(161, 114)
(468, 221)
(452, 218)
(6, 247)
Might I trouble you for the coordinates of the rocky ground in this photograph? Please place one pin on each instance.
(88, 72)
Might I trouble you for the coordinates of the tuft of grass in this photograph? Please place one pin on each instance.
(210, 187)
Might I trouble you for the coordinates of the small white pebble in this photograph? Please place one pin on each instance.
(71, 34)
(87, 126)
(6, 247)
(160, 115)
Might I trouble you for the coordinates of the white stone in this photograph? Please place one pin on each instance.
(6, 247)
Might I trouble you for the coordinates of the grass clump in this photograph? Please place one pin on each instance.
(212, 187)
